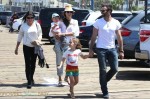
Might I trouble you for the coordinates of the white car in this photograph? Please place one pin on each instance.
(144, 45)
(17, 23)
(91, 17)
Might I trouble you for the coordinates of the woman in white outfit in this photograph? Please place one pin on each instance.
(30, 32)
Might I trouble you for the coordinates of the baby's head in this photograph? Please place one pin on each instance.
(55, 17)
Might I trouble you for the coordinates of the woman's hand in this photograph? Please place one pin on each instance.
(16, 51)
(57, 36)
(34, 43)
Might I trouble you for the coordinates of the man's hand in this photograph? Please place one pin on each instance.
(91, 53)
(121, 55)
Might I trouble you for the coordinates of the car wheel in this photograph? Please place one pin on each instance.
(0, 22)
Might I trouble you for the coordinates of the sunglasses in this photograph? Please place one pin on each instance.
(30, 17)
(69, 11)
(103, 10)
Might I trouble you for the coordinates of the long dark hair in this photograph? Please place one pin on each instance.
(65, 20)
(28, 13)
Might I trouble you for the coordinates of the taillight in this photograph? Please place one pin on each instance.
(144, 35)
(81, 31)
(83, 23)
(125, 32)
(39, 21)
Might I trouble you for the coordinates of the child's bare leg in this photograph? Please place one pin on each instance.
(76, 79)
(72, 81)
(66, 80)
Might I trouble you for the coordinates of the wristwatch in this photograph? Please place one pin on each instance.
(121, 51)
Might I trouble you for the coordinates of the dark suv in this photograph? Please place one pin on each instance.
(4, 15)
(46, 13)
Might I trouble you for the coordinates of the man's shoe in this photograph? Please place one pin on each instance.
(105, 95)
(33, 82)
(29, 86)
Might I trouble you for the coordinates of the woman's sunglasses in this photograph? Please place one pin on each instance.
(69, 11)
(30, 17)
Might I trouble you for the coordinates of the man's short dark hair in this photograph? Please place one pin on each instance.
(109, 6)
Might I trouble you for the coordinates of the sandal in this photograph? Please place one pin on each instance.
(60, 84)
(72, 95)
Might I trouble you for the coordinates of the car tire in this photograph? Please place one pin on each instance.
(0, 22)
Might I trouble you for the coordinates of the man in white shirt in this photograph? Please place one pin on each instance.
(106, 28)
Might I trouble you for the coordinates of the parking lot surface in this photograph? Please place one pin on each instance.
(131, 82)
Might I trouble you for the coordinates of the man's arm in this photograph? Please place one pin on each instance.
(93, 39)
(120, 43)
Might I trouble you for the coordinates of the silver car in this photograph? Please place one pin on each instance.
(130, 30)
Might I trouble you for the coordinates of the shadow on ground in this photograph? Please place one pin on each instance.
(77, 96)
(133, 75)
(136, 64)
(24, 85)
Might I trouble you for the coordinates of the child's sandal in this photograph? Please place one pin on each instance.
(72, 95)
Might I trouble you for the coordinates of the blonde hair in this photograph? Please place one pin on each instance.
(77, 42)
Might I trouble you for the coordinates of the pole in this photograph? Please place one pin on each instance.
(92, 4)
(146, 2)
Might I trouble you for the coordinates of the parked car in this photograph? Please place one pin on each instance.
(91, 17)
(86, 31)
(129, 31)
(4, 15)
(20, 14)
(17, 22)
(46, 13)
(142, 52)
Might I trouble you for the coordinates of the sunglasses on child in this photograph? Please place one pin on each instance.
(30, 17)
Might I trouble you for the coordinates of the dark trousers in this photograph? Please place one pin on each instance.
(111, 56)
(30, 62)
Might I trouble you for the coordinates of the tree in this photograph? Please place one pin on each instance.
(130, 4)
(117, 4)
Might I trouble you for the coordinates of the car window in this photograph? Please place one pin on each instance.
(119, 15)
(148, 18)
(87, 17)
(80, 15)
(6, 13)
(129, 18)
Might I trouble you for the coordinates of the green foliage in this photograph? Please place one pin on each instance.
(117, 4)
(136, 8)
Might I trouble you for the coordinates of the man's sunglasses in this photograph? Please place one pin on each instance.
(69, 11)
(30, 17)
(103, 10)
